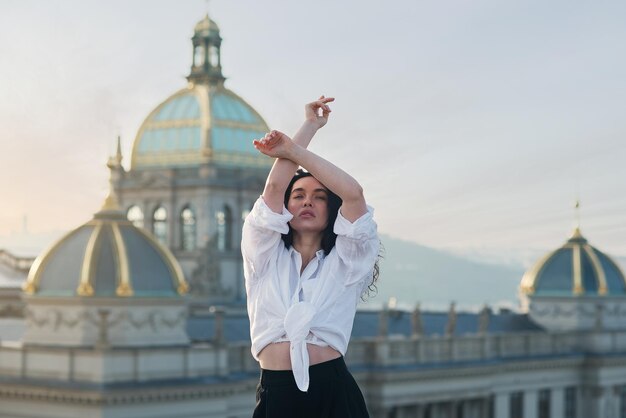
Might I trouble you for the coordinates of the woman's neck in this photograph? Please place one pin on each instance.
(307, 245)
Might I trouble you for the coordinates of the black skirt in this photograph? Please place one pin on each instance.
(332, 393)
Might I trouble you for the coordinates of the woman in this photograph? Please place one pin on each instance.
(306, 263)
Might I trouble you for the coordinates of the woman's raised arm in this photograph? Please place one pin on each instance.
(331, 176)
(283, 169)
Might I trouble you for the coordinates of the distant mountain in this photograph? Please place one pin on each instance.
(29, 244)
(412, 273)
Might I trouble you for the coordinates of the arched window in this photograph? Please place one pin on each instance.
(224, 220)
(188, 228)
(228, 215)
(159, 225)
(135, 215)
(198, 56)
(213, 56)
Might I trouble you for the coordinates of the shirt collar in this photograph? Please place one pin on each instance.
(319, 254)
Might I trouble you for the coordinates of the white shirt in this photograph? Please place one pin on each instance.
(317, 306)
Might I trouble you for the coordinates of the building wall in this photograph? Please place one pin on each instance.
(215, 274)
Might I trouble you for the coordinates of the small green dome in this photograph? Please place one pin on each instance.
(205, 27)
(575, 269)
(106, 257)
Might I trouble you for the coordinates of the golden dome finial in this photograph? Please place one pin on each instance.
(111, 203)
(576, 234)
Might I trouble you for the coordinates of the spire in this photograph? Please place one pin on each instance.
(577, 236)
(206, 64)
(417, 325)
(111, 204)
(451, 324)
(118, 152)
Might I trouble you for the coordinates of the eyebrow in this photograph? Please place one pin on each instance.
(300, 189)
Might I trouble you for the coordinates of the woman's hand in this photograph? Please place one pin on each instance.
(274, 144)
(316, 113)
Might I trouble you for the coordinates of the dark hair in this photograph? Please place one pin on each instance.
(329, 237)
(334, 203)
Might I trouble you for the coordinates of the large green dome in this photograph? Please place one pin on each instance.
(204, 123)
(200, 124)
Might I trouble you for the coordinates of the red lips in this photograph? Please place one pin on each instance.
(307, 213)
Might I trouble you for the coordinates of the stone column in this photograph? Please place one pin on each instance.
(501, 405)
(485, 406)
(557, 403)
(146, 207)
(420, 411)
(443, 410)
(608, 403)
(530, 404)
(380, 412)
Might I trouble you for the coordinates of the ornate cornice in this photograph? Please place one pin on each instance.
(110, 395)
(414, 373)
(57, 319)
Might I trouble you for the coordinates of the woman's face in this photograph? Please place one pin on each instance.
(308, 203)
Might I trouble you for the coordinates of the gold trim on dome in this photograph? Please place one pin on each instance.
(31, 286)
(179, 282)
(124, 287)
(185, 158)
(577, 269)
(576, 234)
(527, 285)
(206, 153)
(149, 120)
(204, 94)
(602, 286)
(233, 124)
(235, 158)
(85, 287)
(174, 123)
(618, 268)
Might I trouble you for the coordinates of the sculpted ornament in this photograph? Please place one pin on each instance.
(58, 319)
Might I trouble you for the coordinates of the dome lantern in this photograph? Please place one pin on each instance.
(206, 62)
(203, 124)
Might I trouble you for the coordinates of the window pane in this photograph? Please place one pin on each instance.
(188, 228)
(159, 222)
(135, 215)
(571, 402)
(543, 406)
(516, 405)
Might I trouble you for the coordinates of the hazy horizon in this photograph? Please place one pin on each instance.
(473, 127)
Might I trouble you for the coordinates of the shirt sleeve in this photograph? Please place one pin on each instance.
(261, 237)
(357, 245)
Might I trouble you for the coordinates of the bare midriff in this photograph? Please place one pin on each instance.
(276, 356)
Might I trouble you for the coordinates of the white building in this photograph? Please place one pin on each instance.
(105, 326)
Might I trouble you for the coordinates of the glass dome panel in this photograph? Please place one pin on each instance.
(557, 273)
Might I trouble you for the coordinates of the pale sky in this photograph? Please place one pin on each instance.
(472, 125)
